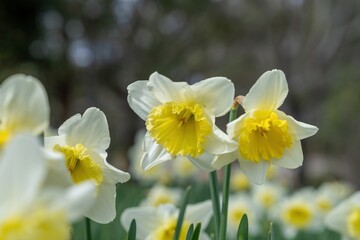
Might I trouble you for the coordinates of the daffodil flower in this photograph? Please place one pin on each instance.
(160, 195)
(345, 218)
(83, 140)
(24, 107)
(159, 223)
(297, 213)
(27, 210)
(265, 134)
(180, 118)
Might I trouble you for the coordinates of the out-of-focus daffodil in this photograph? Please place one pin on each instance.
(265, 134)
(159, 223)
(24, 107)
(180, 119)
(160, 195)
(345, 218)
(29, 211)
(83, 140)
(268, 195)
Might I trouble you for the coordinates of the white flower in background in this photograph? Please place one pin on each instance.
(27, 210)
(340, 190)
(240, 204)
(24, 107)
(159, 223)
(265, 134)
(238, 181)
(83, 140)
(297, 212)
(180, 118)
(345, 217)
(159, 195)
(267, 195)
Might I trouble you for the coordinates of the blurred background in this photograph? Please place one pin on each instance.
(86, 52)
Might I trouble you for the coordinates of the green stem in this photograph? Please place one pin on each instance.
(214, 190)
(226, 186)
(88, 229)
(180, 220)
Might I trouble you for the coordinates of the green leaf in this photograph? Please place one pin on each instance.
(180, 220)
(243, 230)
(190, 232)
(132, 231)
(196, 234)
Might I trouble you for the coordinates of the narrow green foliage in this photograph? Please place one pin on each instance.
(226, 187)
(88, 229)
(190, 232)
(271, 232)
(243, 229)
(132, 231)
(196, 233)
(214, 190)
(180, 220)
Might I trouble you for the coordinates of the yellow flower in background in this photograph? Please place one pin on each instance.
(345, 217)
(24, 107)
(83, 140)
(160, 195)
(28, 210)
(159, 223)
(265, 134)
(180, 119)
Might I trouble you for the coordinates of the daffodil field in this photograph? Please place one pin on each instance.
(187, 179)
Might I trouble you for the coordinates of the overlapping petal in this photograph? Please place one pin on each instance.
(269, 92)
(24, 97)
(216, 94)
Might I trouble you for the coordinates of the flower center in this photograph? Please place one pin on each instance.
(263, 136)
(80, 164)
(267, 199)
(235, 215)
(39, 225)
(353, 223)
(167, 230)
(181, 128)
(323, 204)
(298, 215)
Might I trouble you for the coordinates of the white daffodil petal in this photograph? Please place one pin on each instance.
(219, 143)
(24, 97)
(92, 130)
(203, 162)
(292, 158)
(147, 220)
(200, 212)
(141, 99)
(58, 175)
(77, 200)
(166, 90)
(224, 159)
(256, 172)
(103, 210)
(115, 175)
(154, 153)
(300, 129)
(63, 129)
(269, 92)
(22, 170)
(111, 174)
(216, 94)
(50, 142)
(231, 126)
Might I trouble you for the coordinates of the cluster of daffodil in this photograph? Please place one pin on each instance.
(48, 183)
(180, 123)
